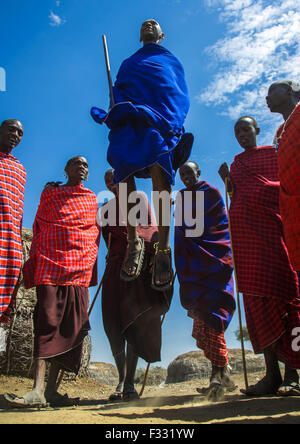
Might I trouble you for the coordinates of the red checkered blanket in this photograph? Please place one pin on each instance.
(65, 238)
(289, 173)
(262, 262)
(12, 183)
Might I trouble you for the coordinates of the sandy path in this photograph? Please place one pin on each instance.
(172, 404)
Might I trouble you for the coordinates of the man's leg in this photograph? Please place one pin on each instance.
(39, 377)
(34, 398)
(131, 364)
(120, 361)
(52, 380)
(270, 384)
(163, 216)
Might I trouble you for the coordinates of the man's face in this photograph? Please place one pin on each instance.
(246, 133)
(78, 169)
(11, 133)
(150, 32)
(189, 174)
(277, 98)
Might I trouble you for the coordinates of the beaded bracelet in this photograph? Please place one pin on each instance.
(161, 251)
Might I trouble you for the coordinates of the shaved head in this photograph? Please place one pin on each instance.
(11, 133)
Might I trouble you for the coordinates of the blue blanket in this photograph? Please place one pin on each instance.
(204, 263)
(147, 120)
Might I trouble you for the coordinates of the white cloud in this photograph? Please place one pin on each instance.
(261, 45)
(56, 20)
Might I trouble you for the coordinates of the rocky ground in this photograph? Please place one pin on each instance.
(165, 404)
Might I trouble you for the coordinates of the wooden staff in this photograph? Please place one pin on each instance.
(111, 91)
(237, 290)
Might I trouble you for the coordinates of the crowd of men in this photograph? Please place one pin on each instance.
(147, 140)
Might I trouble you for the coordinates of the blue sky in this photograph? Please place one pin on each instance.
(52, 56)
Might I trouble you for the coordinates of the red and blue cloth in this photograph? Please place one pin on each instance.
(12, 183)
(204, 264)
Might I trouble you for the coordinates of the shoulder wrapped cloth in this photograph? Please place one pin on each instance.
(204, 263)
(147, 121)
(12, 183)
(65, 239)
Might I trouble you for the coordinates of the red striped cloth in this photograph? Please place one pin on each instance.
(289, 173)
(271, 322)
(262, 262)
(211, 342)
(12, 183)
(65, 238)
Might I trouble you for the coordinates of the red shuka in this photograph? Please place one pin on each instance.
(289, 174)
(262, 262)
(12, 183)
(65, 238)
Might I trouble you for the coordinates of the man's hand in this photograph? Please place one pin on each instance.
(224, 171)
(225, 174)
(52, 185)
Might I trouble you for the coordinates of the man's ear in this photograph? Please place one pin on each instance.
(162, 36)
(257, 131)
(198, 173)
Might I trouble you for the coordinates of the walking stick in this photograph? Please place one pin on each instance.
(62, 373)
(148, 366)
(111, 91)
(237, 291)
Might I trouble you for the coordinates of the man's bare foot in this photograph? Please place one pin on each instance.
(265, 387)
(162, 270)
(216, 392)
(227, 381)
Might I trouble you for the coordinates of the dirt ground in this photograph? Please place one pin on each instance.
(170, 404)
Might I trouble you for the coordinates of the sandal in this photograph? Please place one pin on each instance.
(137, 258)
(30, 400)
(116, 396)
(58, 400)
(162, 266)
(289, 389)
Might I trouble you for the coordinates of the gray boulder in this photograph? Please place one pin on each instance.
(194, 365)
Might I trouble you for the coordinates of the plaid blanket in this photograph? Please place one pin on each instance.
(12, 183)
(65, 238)
(289, 173)
(204, 264)
(262, 262)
